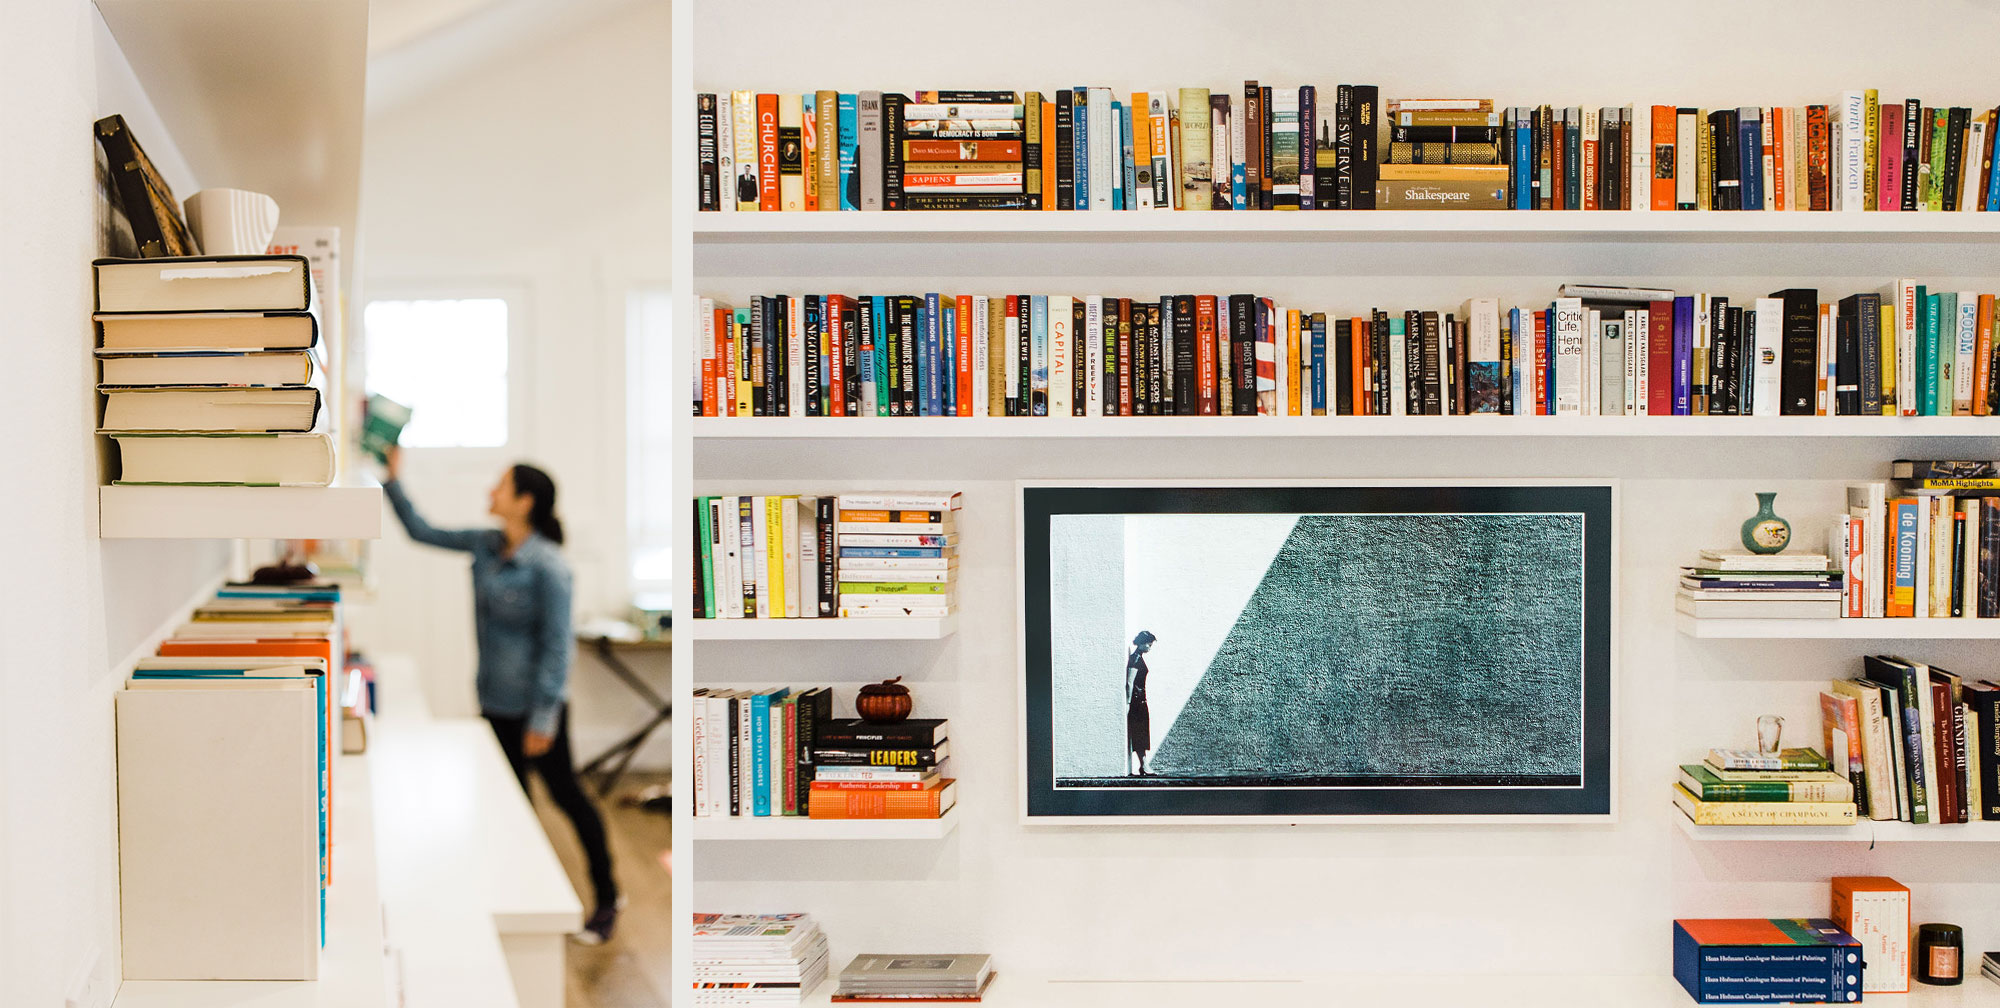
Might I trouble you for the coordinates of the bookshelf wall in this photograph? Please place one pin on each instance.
(1262, 901)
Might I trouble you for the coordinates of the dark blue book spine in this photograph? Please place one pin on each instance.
(1572, 154)
(1318, 363)
(1128, 175)
(1524, 161)
(1683, 364)
(933, 401)
(947, 357)
(1750, 144)
(1080, 134)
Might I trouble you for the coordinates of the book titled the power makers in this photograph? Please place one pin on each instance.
(1808, 961)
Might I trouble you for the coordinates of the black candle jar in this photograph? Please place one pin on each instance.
(1940, 954)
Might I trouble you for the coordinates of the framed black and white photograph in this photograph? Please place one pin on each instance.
(1286, 651)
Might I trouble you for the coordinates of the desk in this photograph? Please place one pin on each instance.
(620, 754)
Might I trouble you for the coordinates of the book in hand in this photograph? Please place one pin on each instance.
(382, 427)
(930, 802)
(242, 283)
(914, 977)
(225, 459)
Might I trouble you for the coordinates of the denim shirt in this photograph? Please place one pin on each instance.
(521, 616)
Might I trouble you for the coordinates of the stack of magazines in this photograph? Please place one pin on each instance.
(757, 959)
(906, 978)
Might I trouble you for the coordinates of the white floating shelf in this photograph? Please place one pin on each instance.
(1407, 991)
(912, 628)
(217, 512)
(1838, 629)
(803, 828)
(1335, 226)
(973, 428)
(1867, 831)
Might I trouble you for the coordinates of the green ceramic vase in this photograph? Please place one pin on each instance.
(1765, 532)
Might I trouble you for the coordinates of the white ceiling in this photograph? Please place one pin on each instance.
(414, 45)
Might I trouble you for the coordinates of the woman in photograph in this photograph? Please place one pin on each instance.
(521, 621)
(1138, 720)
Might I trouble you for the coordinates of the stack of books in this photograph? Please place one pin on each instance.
(1917, 741)
(867, 770)
(961, 150)
(208, 370)
(1738, 584)
(757, 959)
(1444, 153)
(1925, 543)
(789, 556)
(898, 553)
(901, 979)
(1989, 965)
(235, 716)
(1738, 787)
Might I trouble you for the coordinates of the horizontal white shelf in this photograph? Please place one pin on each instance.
(911, 628)
(1839, 629)
(259, 96)
(352, 971)
(218, 512)
(1403, 991)
(804, 828)
(1867, 831)
(765, 428)
(1338, 226)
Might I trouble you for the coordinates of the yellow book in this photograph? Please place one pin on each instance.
(774, 553)
(743, 136)
(791, 152)
(1888, 358)
(1704, 160)
(1719, 813)
(1293, 386)
(1871, 148)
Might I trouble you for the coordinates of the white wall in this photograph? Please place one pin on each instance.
(535, 167)
(73, 608)
(1263, 901)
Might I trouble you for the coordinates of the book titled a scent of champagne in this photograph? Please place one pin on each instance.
(1763, 813)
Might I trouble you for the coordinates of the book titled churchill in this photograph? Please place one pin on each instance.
(1801, 961)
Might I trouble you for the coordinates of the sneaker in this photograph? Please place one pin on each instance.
(597, 930)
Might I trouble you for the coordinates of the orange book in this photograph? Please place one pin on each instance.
(1049, 155)
(1293, 386)
(1142, 149)
(1664, 163)
(1982, 358)
(962, 339)
(1357, 341)
(930, 803)
(725, 362)
(895, 516)
(961, 150)
(767, 153)
(1780, 161)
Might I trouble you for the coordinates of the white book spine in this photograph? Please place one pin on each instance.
(1280, 356)
(788, 531)
(1968, 559)
(1765, 397)
(759, 562)
(1684, 158)
(1852, 150)
(1906, 347)
(1399, 379)
(1104, 151)
(795, 355)
(698, 747)
(1795, 123)
(746, 774)
(1013, 338)
(1923, 560)
(1769, 167)
(1570, 357)
(705, 318)
(807, 526)
(1093, 334)
(1639, 121)
(1827, 360)
(730, 597)
(1593, 366)
(1641, 382)
(981, 330)
(1236, 146)
(1961, 372)
(719, 730)
(725, 151)
(1062, 352)
(1941, 556)
(1219, 160)
(1635, 331)
(1968, 181)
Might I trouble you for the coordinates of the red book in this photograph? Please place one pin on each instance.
(767, 152)
(1014, 343)
(963, 340)
(1124, 356)
(1950, 784)
(1982, 356)
(1855, 571)
(725, 378)
(1659, 358)
(1889, 193)
(934, 800)
(1541, 364)
(1204, 355)
(710, 388)
(1664, 162)
(957, 150)
(792, 803)
(833, 348)
(1357, 371)
(871, 785)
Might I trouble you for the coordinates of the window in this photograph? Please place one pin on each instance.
(649, 461)
(446, 359)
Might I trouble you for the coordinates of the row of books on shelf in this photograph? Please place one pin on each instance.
(778, 959)
(210, 372)
(1903, 741)
(792, 556)
(1592, 351)
(776, 752)
(1296, 148)
(235, 720)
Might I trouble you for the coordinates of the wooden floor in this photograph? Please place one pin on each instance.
(635, 968)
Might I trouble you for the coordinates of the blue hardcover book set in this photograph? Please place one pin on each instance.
(1753, 961)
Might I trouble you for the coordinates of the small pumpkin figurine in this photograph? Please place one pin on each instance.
(884, 702)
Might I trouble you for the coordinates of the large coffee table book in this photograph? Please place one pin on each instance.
(1337, 147)
(1592, 350)
(909, 977)
(852, 556)
(210, 372)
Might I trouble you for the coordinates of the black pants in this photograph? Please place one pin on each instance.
(555, 769)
